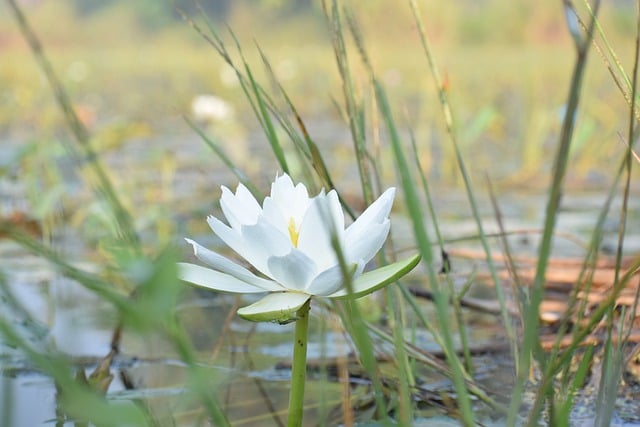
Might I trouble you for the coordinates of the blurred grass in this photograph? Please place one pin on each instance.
(509, 105)
(506, 80)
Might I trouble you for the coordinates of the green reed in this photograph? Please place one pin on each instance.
(151, 303)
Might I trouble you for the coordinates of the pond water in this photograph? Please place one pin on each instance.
(248, 363)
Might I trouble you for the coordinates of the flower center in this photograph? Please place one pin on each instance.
(293, 232)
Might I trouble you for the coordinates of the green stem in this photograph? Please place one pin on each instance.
(299, 370)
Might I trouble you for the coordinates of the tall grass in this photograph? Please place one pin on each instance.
(148, 304)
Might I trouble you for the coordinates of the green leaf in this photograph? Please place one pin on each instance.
(278, 307)
(373, 280)
(157, 289)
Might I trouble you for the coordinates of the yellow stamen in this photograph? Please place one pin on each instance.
(293, 232)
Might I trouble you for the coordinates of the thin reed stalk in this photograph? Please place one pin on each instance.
(531, 344)
(83, 152)
(451, 132)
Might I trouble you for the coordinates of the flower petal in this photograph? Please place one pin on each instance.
(294, 270)
(207, 278)
(327, 282)
(227, 266)
(255, 243)
(376, 213)
(368, 244)
(323, 217)
(335, 209)
(292, 201)
(278, 307)
(264, 240)
(272, 213)
(376, 279)
(240, 208)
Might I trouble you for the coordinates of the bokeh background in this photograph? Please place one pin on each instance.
(136, 71)
(133, 68)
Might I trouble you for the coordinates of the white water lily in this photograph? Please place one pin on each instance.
(288, 240)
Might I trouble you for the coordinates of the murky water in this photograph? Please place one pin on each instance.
(248, 361)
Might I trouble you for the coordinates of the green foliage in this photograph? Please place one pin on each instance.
(138, 278)
(154, 14)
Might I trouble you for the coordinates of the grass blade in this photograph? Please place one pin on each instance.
(83, 151)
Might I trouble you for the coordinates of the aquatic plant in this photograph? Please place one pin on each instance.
(302, 250)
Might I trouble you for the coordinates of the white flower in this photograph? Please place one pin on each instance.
(211, 109)
(288, 240)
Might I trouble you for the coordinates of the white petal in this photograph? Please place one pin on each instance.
(278, 307)
(368, 244)
(294, 270)
(322, 219)
(374, 214)
(335, 209)
(241, 208)
(327, 282)
(207, 278)
(227, 266)
(292, 201)
(376, 279)
(332, 280)
(272, 213)
(255, 243)
(282, 187)
(234, 240)
(265, 240)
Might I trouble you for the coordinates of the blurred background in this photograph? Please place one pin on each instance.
(134, 68)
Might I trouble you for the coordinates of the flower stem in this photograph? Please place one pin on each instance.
(299, 369)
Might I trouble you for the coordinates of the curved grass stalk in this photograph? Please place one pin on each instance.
(531, 343)
(83, 151)
(450, 125)
(355, 111)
